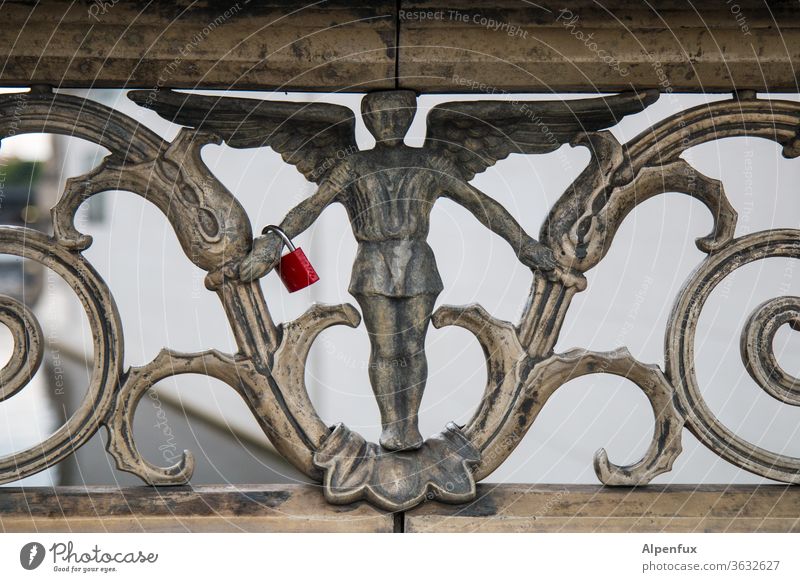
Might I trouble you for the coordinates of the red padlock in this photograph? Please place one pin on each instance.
(294, 269)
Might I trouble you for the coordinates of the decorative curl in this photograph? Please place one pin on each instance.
(28, 346)
(103, 317)
(757, 350)
(680, 354)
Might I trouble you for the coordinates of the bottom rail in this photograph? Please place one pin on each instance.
(498, 508)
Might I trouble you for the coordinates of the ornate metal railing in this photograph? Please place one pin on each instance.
(388, 193)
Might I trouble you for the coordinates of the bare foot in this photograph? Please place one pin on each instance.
(401, 436)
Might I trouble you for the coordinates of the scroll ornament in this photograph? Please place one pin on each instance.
(388, 193)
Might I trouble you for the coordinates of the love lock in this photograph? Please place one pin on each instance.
(295, 270)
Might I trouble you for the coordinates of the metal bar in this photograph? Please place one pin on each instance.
(428, 45)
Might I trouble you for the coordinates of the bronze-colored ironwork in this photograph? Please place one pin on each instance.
(388, 193)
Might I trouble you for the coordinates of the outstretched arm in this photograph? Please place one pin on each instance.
(496, 218)
(266, 252)
(299, 218)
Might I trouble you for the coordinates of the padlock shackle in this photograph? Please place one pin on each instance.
(286, 240)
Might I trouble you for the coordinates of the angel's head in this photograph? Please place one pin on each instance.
(388, 115)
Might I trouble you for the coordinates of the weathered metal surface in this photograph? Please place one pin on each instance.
(101, 312)
(427, 45)
(591, 508)
(497, 508)
(514, 46)
(757, 355)
(356, 469)
(334, 45)
(28, 350)
(388, 193)
(231, 508)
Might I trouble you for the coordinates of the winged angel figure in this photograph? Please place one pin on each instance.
(388, 193)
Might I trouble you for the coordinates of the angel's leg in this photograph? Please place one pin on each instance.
(398, 367)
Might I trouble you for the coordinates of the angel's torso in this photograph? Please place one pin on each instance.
(389, 193)
(388, 196)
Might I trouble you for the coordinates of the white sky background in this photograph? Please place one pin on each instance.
(162, 300)
(29, 146)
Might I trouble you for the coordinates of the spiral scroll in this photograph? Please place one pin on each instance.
(757, 351)
(101, 312)
(762, 366)
(26, 356)
(523, 369)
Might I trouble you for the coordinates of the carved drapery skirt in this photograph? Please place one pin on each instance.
(395, 268)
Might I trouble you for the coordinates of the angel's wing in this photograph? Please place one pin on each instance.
(473, 135)
(311, 136)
